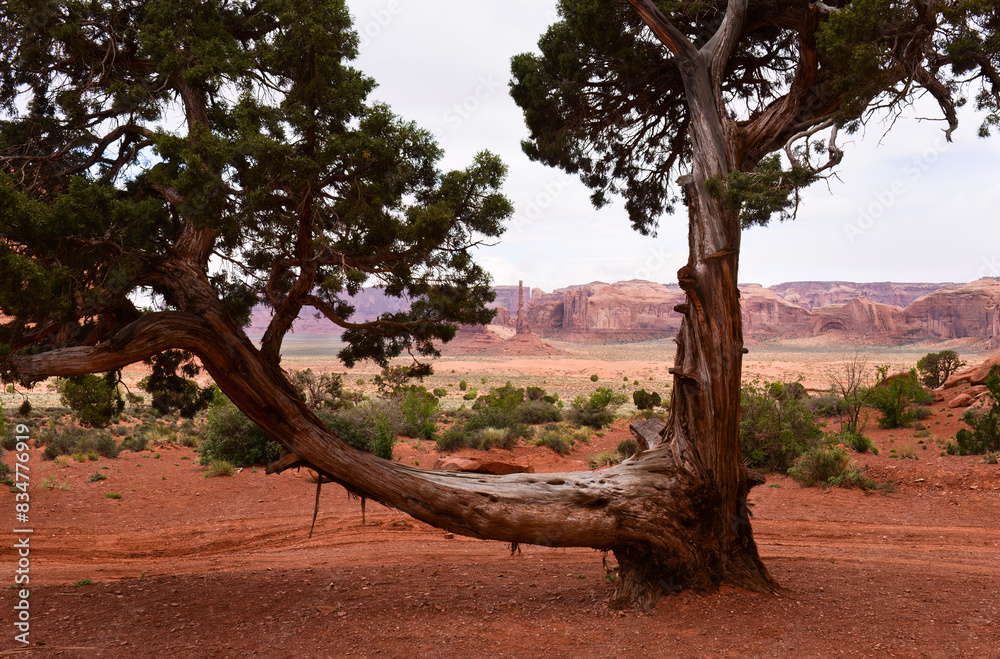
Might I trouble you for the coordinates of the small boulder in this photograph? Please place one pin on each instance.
(476, 466)
(961, 400)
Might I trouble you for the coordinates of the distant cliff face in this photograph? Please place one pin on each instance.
(635, 310)
(638, 310)
(629, 310)
(814, 294)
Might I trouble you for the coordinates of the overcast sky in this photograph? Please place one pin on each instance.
(907, 206)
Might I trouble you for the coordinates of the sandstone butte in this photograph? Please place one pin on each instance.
(882, 313)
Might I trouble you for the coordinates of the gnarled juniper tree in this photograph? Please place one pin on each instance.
(221, 152)
(721, 105)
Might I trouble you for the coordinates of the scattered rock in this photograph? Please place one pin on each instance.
(961, 400)
(322, 608)
(476, 466)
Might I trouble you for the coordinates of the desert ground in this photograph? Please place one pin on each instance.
(183, 565)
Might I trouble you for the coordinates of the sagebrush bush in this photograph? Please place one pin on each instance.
(452, 439)
(134, 443)
(596, 410)
(859, 443)
(554, 440)
(372, 426)
(219, 468)
(776, 427)
(831, 467)
(488, 438)
(235, 438)
(827, 405)
(628, 447)
(73, 440)
(604, 458)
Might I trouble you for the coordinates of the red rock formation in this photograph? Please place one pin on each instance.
(814, 294)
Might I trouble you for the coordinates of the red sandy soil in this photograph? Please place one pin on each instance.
(192, 567)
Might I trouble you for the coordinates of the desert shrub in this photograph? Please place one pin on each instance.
(440, 392)
(135, 443)
(324, 390)
(534, 393)
(73, 440)
(6, 471)
(628, 447)
(555, 440)
(596, 410)
(537, 411)
(233, 437)
(645, 400)
(921, 412)
(471, 395)
(594, 378)
(604, 458)
(775, 426)
(173, 392)
(936, 367)
(829, 467)
(488, 438)
(983, 434)
(218, 467)
(859, 443)
(94, 399)
(372, 426)
(395, 381)
(895, 397)
(452, 439)
(25, 408)
(463, 385)
(418, 409)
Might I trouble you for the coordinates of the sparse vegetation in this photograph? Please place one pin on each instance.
(831, 467)
(776, 426)
(896, 396)
(219, 468)
(74, 440)
(645, 400)
(983, 434)
(233, 437)
(936, 367)
(94, 399)
(596, 410)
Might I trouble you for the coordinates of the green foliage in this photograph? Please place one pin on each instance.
(827, 405)
(596, 410)
(895, 397)
(604, 458)
(594, 378)
(766, 191)
(73, 440)
(323, 390)
(440, 392)
(94, 399)
(859, 443)
(463, 385)
(97, 476)
(830, 467)
(983, 435)
(219, 468)
(471, 395)
(555, 440)
(243, 124)
(418, 408)
(394, 381)
(628, 447)
(776, 426)
(233, 437)
(372, 426)
(135, 443)
(645, 400)
(172, 392)
(936, 367)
